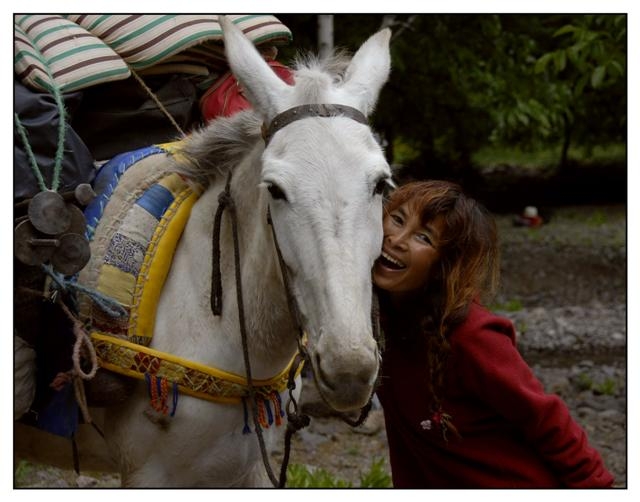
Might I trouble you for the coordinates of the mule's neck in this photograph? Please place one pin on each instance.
(267, 319)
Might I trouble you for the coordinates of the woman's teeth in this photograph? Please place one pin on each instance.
(392, 262)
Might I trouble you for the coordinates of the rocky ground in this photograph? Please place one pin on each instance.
(564, 287)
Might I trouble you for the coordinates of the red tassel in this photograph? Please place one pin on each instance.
(262, 414)
(158, 393)
(277, 410)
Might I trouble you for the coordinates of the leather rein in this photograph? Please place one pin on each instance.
(295, 419)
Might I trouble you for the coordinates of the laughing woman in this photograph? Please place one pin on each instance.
(462, 408)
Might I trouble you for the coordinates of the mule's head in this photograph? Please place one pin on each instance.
(325, 178)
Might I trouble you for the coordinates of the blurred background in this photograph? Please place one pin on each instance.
(516, 107)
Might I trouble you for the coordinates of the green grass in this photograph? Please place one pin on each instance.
(596, 219)
(548, 157)
(584, 382)
(509, 306)
(490, 156)
(22, 472)
(376, 477)
(607, 387)
(614, 152)
(521, 327)
(300, 476)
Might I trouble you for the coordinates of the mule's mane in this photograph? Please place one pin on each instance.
(214, 150)
(335, 64)
(314, 76)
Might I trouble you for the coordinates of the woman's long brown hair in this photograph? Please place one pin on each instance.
(467, 268)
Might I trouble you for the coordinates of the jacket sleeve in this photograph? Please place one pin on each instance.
(493, 370)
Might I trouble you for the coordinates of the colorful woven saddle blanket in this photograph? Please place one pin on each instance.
(134, 225)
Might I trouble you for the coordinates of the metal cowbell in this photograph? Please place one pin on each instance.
(49, 214)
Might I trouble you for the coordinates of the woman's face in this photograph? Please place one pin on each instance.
(409, 250)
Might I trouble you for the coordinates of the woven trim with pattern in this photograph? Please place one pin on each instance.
(192, 378)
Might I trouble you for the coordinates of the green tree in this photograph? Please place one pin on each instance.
(461, 82)
(587, 75)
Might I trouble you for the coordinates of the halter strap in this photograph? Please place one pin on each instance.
(312, 110)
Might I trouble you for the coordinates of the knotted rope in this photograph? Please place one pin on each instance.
(78, 374)
(107, 304)
(83, 341)
(62, 130)
(224, 201)
(295, 421)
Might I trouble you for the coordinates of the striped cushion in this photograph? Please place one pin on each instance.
(48, 46)
(87, 49)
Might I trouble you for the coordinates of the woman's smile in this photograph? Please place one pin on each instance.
(388, 261)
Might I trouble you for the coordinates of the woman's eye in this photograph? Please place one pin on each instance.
(276, 192)
(425, 238)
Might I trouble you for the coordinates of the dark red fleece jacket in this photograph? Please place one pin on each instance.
(513, 434)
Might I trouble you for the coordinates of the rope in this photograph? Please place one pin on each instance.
(81, 399)
(226, 202)
(82, 338)
(32, 158)
(295, 420)
(291, 301)
(157, 102)
(243, 332)
(62, 130)
(107, 304)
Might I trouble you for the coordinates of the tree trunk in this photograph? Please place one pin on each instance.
(325, 35)
(566, 141)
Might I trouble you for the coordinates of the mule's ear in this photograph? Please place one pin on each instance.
(262, 87)
(369, 70)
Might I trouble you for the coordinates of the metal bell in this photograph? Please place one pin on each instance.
(72, 254)
(78, 224)
(84, 194)
(49, 214)
(32, 247)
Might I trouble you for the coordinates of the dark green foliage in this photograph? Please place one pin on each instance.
(462, 82)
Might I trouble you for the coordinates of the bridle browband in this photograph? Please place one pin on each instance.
(312, 110)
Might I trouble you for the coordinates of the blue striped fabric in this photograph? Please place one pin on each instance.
(106, 181)
(156, 200)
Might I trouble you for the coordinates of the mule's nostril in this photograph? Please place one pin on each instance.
(322, 375)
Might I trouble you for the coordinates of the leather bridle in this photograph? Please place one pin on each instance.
(306, 111)
(295, 420)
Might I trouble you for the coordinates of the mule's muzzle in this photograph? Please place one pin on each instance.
(346, 384)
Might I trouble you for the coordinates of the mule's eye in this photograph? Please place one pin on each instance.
(380, 185)
(276, 192)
